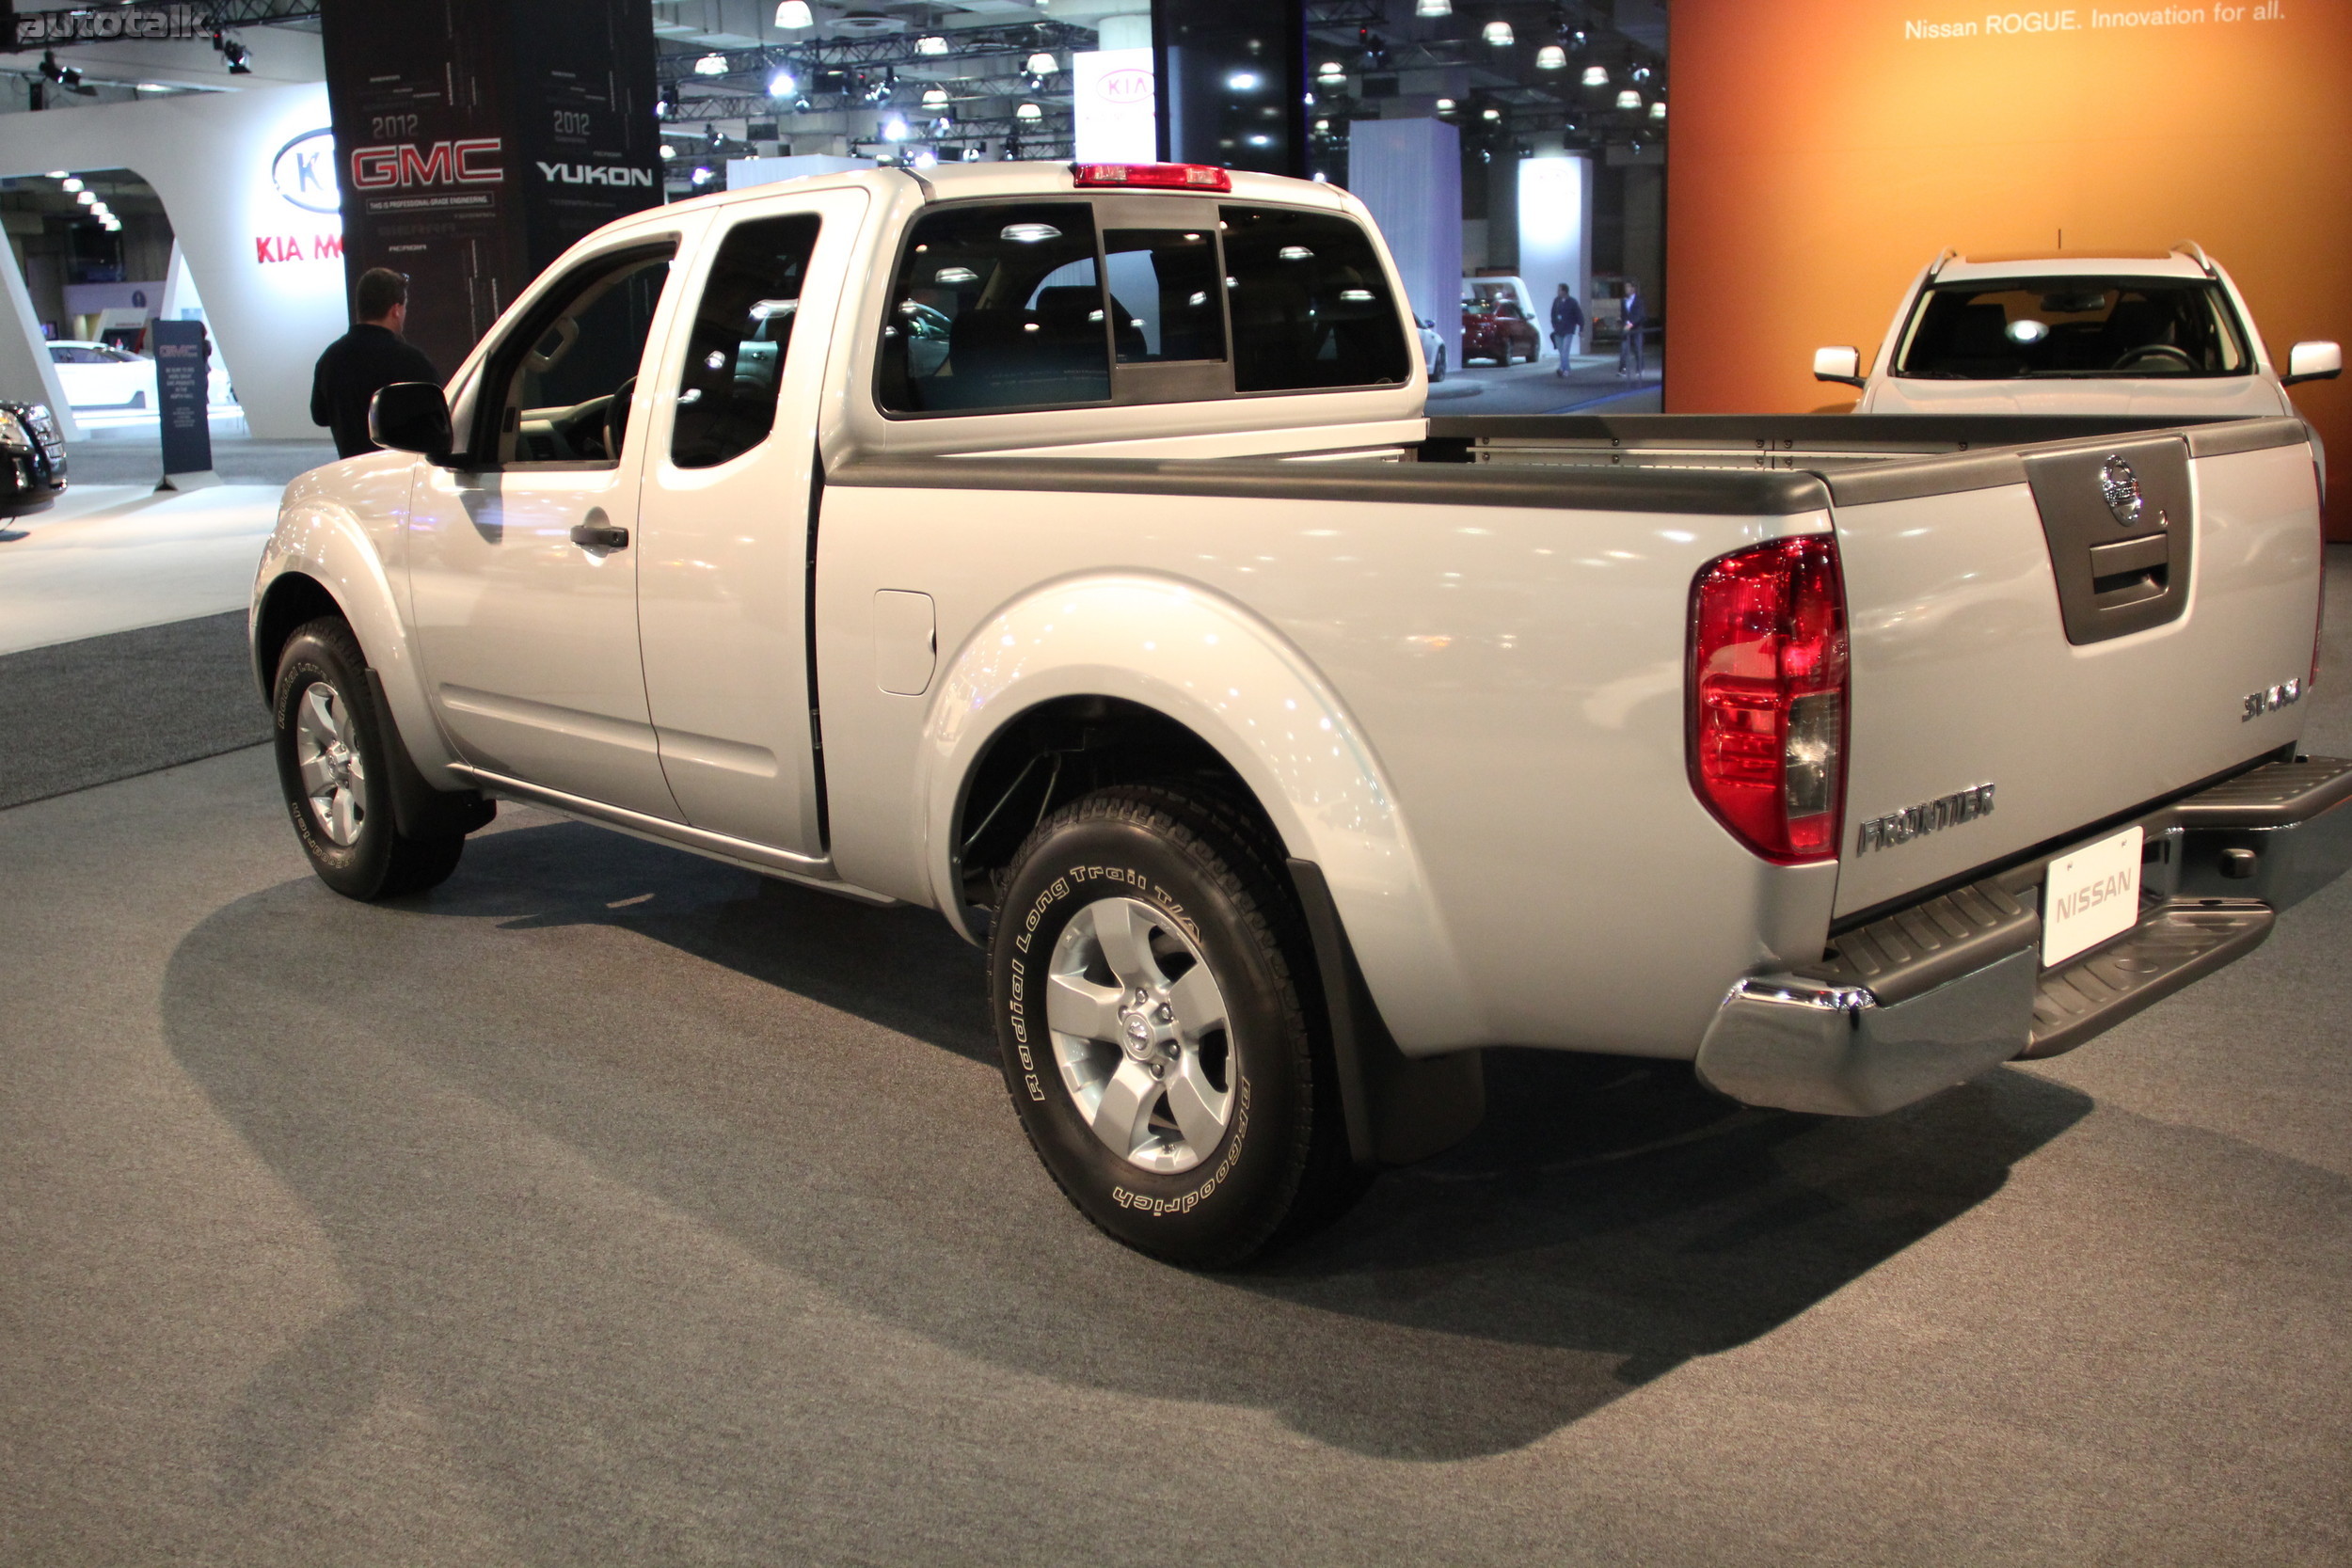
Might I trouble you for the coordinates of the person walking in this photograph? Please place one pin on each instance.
(365, 360)
(1567, 320)
(1630, 332)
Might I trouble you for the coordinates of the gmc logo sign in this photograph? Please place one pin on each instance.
(445, 163)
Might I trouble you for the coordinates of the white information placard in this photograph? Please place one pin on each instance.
(2089, 895)
(1114, 118)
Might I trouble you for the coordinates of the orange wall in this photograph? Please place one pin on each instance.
(1820, 158)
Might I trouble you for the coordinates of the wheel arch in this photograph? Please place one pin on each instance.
(1175, 674)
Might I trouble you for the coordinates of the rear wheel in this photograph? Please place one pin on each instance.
(1148, 969)
(335, 769)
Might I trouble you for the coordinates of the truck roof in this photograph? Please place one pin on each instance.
(1012, 177)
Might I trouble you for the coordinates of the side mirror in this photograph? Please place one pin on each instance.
(411, 416)
(1837, 364)
(2313, 361)
(1427, 323)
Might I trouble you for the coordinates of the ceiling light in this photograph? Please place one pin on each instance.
(1434, 7)
(935, 98)
(86, 198)
(971, 154)
(1499, 34)
(1446, 105)
(1629, 99)
(1322, 125)
(782, 85)
(711, 65)
(72, 184)
(1243, 81)
(1029, 111)
(795, 13)
(1551, 57)
(941, 126)
(1262, 141)
(1493, 114)
(1595, 76)
(1657, 110)
(931, 43)
(1330, 70)
(668, 151)
(1041, 64)
(894, 129)
(60, 174)
(702, 175)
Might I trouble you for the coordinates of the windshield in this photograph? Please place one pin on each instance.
(2022, 328)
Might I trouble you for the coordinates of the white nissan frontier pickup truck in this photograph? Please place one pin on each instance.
(1066, 548)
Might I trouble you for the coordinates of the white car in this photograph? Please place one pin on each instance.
(2155, 335)
(1432, 348)
(100, 376)
(1277, 790)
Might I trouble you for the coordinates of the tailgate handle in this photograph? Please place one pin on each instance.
(2129, 570)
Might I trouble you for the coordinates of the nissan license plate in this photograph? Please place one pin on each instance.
(2089, 895)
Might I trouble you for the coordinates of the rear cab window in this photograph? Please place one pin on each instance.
(1035, 304)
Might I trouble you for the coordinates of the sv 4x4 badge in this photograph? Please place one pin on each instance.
(2269, 700)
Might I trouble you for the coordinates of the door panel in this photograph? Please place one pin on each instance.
(724, 567)
(525, 595)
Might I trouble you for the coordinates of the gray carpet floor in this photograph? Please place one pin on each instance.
(77, 714)
(132, 456)
(607, 1205)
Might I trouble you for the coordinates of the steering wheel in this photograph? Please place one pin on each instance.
(616, 418)
(2151, 354)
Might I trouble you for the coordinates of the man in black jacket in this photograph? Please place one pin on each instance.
(365, 360)
(1567, 320)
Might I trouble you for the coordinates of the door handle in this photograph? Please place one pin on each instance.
(600, 536)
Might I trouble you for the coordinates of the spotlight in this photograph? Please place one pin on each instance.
(60, 174)
(1499, 34)
(1595, 76)
(931, 43)
(1629, 99)
(1041, 64)
(668, 152)
(795, 13)
(971, 154)
(1641, 74)
(1657, 110)
(87, 198)
(72, 185)
(894, 129)
(926, 158)
(1029, 112)
(782, 85)
(711, 65)
(239, 57)
(1243, 81)
(941, 126)
(1434, 7)
(49, 66)
(935, 98)
(800, 104)
(1551, 57)
(665, 106)
(702, 175)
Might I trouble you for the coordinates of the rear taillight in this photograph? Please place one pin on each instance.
(1767, 696)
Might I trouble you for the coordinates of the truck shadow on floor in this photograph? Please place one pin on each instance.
(521, 1107)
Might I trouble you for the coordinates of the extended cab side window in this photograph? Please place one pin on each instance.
(996, 307)
(1310, 303)
(742, 331)
(568, 377)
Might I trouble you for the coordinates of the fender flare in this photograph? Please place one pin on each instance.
(321, 538)
(1236, 682)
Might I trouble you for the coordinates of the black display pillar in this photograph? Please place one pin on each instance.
(1233, 82)
(478, 138)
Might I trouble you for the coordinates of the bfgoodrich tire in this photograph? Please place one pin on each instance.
(335, 767)
(1148, 970)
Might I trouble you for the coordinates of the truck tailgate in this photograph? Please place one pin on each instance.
(2087, 627)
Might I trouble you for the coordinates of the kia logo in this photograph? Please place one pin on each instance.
(304, 172)
(1129, 85)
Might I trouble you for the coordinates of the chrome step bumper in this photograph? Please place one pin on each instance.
(1932, 995)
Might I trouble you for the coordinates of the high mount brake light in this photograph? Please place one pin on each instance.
(1767, 696)
(1161, 177)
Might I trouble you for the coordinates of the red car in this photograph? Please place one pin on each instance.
(1492, 328)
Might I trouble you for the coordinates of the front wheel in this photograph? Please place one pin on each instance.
(334, 766)
(1148, 968)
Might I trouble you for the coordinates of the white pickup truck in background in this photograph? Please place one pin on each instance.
(1067, 549)
(2159, 336)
